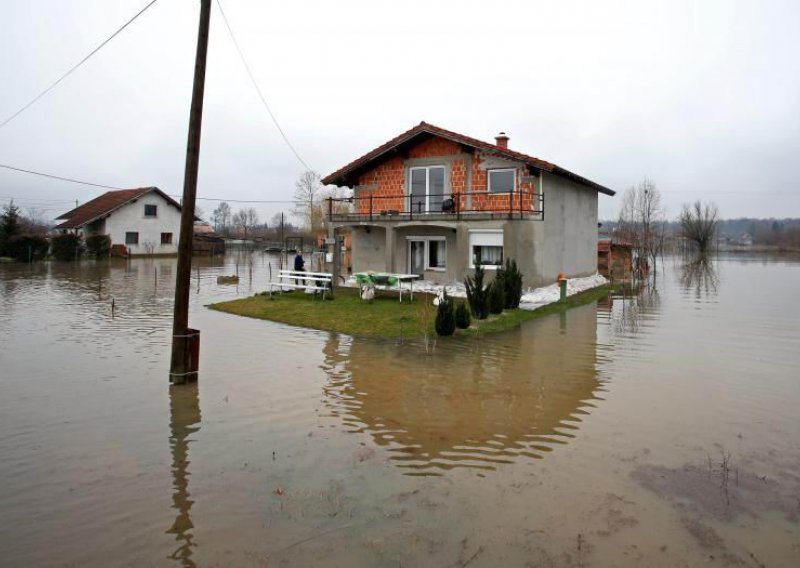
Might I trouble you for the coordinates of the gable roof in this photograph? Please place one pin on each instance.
(105, 204)
(344, 176)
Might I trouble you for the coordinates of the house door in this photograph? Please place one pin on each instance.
(416, 258)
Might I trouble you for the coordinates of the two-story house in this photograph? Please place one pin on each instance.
(434, 203)
(146, 221)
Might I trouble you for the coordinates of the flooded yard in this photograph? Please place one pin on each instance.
(658, 430)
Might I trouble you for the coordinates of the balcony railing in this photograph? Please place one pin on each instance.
(457, 206)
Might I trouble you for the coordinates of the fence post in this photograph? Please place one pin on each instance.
(511, 204)
(330, 209)
(411, 207)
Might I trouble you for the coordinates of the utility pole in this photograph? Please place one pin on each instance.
(185, 342)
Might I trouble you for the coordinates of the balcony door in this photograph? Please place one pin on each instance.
(427, 189)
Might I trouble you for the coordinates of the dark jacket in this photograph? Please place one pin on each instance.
(299, 263)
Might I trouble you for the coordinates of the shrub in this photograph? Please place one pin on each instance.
(99, 246)
(497, 297)
(445, 318)
(25, 248)
(512, 282)
(463, 318)
(477, 293)
(66, 246)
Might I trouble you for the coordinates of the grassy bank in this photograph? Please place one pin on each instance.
(385, 316)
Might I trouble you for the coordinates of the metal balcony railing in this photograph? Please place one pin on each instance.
(456, 206)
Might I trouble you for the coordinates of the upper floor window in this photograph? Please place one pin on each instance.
(151, 210)
(426, 188)
(502, 181)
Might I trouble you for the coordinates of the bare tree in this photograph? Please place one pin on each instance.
(642, 222)
(245, 220)
(307, 200)
(221, 217)
(35, 222)
(699, 224)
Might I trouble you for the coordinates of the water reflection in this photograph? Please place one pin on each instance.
(700, 275)
(471, 404)
(627, 309)
(184, 407)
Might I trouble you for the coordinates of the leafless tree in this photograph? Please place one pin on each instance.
(307, 200)
(245, 220)
(35, 222)
(642, 222)
(699, 224)
(221, 217)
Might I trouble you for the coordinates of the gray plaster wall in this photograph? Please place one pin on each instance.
(566, 241)
(369, 249)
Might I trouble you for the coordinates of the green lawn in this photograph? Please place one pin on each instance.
(385, 316)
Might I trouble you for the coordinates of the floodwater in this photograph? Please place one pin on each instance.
(657, 430)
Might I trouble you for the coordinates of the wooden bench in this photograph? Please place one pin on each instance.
(302, 280)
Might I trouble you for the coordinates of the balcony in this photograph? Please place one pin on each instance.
(464, 206)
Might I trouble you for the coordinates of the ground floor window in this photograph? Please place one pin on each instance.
(426, 253)
(486, 248)
(131, 238)
(166, 238)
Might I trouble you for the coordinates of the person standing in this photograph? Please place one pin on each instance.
(299, 264)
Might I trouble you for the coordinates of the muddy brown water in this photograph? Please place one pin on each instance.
(658, 430)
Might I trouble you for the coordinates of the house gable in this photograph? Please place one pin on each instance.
(445, 143)
(103, 205)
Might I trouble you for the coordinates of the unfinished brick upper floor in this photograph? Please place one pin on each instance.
(385, 187)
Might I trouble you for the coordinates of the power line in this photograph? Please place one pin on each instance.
(246, 200)
(60, 178)
(258, 90)
(74, 67)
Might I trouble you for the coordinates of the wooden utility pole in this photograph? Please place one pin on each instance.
(182, 368)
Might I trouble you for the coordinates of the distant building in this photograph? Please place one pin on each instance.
(206, 241)
(143, 221)
(614, 258)
(745, 240)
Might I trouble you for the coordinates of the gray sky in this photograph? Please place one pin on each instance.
(702, 97)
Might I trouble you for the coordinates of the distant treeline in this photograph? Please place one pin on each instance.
(773, 232)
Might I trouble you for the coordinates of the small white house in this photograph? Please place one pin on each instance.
(146, 221)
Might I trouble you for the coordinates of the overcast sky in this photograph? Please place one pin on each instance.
(701, 97)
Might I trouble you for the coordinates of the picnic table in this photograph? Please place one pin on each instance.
(387, 281)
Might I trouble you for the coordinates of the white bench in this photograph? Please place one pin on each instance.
(302, 280)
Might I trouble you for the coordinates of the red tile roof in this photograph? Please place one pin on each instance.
(105, 204)
(339, 177)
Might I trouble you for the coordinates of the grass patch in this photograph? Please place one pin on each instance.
(384, 317)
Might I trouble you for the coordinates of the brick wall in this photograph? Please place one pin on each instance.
(386, 182)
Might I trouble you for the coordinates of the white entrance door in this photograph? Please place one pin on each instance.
(416, 258)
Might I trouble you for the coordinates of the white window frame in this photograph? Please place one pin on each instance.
(427, 240)
(489, 179)
(445, 188)
(490, 238)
